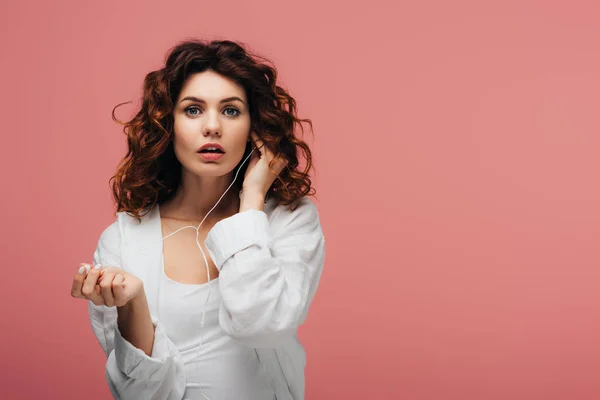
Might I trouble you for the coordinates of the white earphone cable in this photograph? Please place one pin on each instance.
(198, 384)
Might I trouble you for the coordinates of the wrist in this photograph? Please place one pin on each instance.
(252, 199)
(135, 302)
(135, 323)
(253, 190)
(133, 309)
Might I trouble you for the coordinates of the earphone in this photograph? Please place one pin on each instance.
(198, 384)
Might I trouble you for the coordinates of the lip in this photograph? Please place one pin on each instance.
(218, 146)
(211, 156)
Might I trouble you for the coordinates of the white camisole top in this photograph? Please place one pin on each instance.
(225, 368)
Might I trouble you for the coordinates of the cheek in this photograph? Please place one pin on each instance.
(241, 144)
(242, 133)
(184, 149)
(238, 135)
(185, 136)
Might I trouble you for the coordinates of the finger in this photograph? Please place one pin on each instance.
(118, 284)
(97, 285)
(89, 284)
(253, 161)
(118, 280)
(114, 270)
(279, 164)
(106, 289)
(78, 282)
(103, 270)
(258, 143)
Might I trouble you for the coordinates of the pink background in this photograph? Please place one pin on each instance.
(457, 154)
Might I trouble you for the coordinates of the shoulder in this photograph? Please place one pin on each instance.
(125, 226)
(304, 217)
(121, 232)
(119, 229)
(108, 248)
(114, 231)
(110, 235)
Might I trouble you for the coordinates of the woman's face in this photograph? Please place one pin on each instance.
(211, 110)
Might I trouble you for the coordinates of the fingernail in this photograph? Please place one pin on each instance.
(87, 267)
(81, 269)
(98, 266)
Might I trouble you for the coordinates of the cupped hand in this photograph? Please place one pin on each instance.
(109, 286)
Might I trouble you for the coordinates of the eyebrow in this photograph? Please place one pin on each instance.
(196, 99)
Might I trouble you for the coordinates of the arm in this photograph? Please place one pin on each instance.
(135, 323)
(132, 373)
(269, 271)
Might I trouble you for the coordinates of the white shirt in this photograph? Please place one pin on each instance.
(269, 263)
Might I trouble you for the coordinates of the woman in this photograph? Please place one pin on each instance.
(198, 287)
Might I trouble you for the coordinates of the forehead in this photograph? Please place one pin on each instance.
(210, 86)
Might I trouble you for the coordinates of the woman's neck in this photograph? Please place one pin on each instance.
(196, 196)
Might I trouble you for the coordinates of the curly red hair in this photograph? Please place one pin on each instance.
(150, 173)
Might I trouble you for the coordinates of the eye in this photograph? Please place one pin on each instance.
(189, 109)
(235, 110)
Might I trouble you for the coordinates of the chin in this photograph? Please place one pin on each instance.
(212, 170)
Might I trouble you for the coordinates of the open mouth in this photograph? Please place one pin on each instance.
(212, 150)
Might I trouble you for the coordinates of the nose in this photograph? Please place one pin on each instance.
(212, 125)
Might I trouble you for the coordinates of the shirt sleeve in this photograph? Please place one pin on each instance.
(130, 373)
(268, 271)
